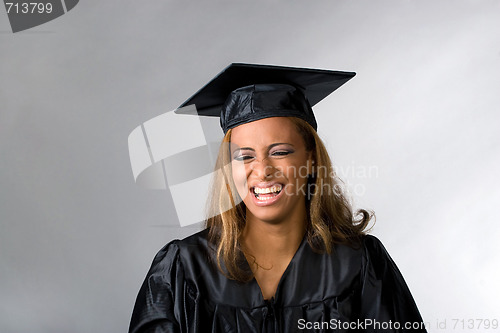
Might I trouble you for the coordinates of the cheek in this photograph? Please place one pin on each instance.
(296, 174)
(239, 172)
(296, 186)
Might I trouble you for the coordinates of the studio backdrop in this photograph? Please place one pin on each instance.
(414, 135)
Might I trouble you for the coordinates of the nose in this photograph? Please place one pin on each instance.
(262, 169)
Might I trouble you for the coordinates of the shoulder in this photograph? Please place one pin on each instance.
(198, 238)
(178, 254)
(373, 244)
(374, 248)
(377, 257)
(196, 244)
(364, 246)
(190, 242)
(385, 295)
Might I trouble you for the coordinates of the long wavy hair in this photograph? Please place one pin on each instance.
(330, 216)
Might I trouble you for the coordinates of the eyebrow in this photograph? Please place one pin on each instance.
(269, 148)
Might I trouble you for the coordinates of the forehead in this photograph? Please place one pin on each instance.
(264, 132)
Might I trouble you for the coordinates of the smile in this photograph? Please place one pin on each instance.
(267, 193)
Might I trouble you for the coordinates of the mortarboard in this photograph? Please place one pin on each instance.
(243, 93)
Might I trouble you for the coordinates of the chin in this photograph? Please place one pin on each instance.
(272, 215)
(268, 218)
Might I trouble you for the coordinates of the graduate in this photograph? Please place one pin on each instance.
(283, 250)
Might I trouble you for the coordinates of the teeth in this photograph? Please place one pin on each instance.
(272, 189)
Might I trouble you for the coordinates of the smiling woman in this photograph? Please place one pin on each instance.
(282, 244)
(269, 168)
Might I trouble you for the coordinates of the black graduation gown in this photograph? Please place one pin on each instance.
(349, 290)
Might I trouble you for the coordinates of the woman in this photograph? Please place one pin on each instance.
(282, 251)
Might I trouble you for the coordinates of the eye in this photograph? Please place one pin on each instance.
(280, 153)
(242, 158)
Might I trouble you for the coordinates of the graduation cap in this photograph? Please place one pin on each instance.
(243, 93)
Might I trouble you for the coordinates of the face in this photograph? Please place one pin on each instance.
(270, 166)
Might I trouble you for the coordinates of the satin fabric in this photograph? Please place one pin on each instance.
(259, 101)
(184, 292)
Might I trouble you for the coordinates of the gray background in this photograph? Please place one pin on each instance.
(77, 235)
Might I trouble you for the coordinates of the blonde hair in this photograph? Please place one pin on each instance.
(330, 214)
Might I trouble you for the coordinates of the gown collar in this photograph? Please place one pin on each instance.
(277, 298)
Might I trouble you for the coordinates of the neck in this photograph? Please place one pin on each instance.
(269, 241)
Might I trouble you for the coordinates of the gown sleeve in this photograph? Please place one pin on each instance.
(154, 309)
(385, 297)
